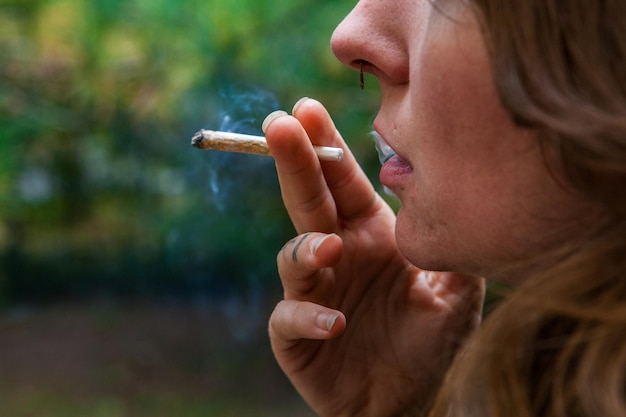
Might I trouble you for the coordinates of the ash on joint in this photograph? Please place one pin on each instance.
(197, 139)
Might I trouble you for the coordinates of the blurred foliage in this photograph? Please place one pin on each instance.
(100, 192)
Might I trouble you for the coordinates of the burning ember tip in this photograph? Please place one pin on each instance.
(196, 139)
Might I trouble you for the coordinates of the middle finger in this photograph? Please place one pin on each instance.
(302, 262)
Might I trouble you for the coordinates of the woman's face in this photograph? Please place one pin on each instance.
(477, 196)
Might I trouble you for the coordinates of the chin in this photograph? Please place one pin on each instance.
(426, 249)
(415, 245)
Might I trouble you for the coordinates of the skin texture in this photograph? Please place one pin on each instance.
(362, 330)
(476, 193)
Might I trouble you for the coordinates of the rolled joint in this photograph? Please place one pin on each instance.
(256, 145)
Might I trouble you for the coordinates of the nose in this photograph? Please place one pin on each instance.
(348, 42)
(372, 38)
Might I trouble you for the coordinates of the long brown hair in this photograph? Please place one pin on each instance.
(556, 346)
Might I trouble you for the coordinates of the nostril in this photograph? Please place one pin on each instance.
(361, 65)
(361, 42)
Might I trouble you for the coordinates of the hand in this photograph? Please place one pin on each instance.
(361, 331)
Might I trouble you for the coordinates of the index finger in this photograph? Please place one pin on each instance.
(352, 191)
(305, 193)
(343, 184)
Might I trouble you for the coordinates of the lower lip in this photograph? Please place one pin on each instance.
(395, 172)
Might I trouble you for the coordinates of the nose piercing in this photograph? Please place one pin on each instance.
(361, 78)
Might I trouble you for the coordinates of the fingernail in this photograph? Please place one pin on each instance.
(295, 106)
(326, 321)
(271, 117)
(318, 242)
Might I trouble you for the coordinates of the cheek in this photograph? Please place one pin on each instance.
(457, 237)
(453, 95)
(512, 212)
(423, 230)
(481, 196)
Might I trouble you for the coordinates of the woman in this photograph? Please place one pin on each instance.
(508, 123)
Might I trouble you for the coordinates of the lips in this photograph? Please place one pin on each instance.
(394, 172)
(394, 168)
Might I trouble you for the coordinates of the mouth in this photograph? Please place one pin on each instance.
(395, 171)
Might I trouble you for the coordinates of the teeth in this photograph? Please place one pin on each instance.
(384, 150)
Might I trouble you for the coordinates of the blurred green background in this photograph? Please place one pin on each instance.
(137, 273)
